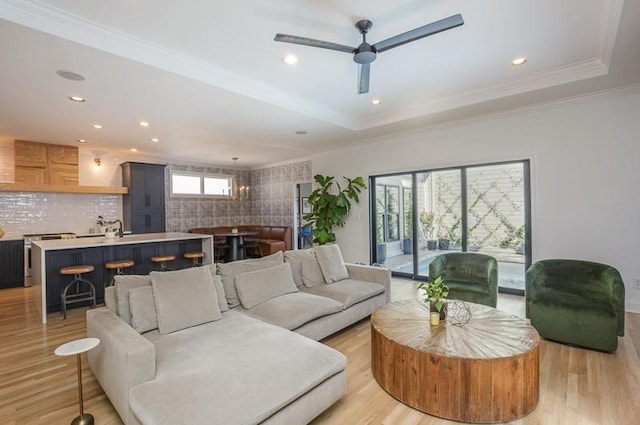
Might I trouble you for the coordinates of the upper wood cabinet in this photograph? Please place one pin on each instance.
(42, 163)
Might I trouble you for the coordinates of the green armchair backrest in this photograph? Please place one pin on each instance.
(465, 268)
(580, 277)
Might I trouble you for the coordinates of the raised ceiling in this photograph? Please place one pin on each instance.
(208, 76)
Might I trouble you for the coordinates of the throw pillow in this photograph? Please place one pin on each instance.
(184, 298)
(331, 263)
(262, 285)
(143, 309)
(217, 281)
(229, 271)
(123, 284)
(311, 272)
(295, 258)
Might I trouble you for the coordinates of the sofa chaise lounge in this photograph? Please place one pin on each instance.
(173, 350)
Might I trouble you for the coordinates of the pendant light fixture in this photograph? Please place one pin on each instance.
(237, 191)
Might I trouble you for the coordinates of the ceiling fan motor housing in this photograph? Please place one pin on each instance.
(365, 53)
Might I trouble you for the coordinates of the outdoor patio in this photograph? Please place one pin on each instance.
(510, 264)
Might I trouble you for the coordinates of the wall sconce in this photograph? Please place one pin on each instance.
(98, 162)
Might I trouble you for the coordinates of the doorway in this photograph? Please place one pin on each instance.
(484, 208)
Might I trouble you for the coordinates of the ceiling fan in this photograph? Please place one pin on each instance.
(366, 53)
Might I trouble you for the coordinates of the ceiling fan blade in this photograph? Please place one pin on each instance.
(418, 33)
(294, 39)
(363, 78)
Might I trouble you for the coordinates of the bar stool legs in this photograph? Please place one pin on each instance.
(67, 298)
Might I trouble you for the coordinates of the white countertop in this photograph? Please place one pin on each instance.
(56, 244)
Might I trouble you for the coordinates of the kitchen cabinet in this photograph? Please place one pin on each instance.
(11, 263)
(43, 163)
(143, 207)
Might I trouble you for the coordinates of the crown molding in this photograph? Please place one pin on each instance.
(56, 22)
(609, 24)
(48, 19)
(575, 72)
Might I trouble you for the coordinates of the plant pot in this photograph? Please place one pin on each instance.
(381, 254)
(434, 319)
(432, 245)
(110, 235)
(443, 244)
(407, 246)
(443, 312)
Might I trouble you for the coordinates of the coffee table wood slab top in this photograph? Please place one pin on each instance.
(485, 371)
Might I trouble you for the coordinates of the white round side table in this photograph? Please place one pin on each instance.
(76, 348)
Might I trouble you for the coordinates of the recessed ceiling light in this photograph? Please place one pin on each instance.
(82, 140)
(301, 132)
(97, 126)
(69, 75)
(133, 150)
(155, 140)
(143, 124)
(290, 59)
(519, 61)
(376, 102)
(76, 99)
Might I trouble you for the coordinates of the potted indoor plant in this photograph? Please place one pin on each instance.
(328, 209)
(427, 219)
(435, 293)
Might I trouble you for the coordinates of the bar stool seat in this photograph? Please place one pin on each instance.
(117, 265)
(195, 256)
(163, 259)
(88, 295)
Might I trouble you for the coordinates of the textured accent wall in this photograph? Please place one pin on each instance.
(274, 192)
(271, 200)
(22, 212)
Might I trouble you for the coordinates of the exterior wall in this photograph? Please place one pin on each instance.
(584, 174)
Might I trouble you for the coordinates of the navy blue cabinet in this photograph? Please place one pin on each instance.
(143, 207)
(11, 263)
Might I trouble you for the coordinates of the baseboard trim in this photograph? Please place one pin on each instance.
(632, 307)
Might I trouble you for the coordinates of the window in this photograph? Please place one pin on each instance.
(194, 184)
(388, 216)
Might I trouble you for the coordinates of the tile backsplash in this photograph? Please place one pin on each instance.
(28, 212)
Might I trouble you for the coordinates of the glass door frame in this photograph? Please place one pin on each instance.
(526, 164)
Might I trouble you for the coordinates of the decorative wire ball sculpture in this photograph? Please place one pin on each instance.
(458, 313)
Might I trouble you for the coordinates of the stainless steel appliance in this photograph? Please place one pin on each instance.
(28, 275)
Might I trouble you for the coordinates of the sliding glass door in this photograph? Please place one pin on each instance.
(419, 215)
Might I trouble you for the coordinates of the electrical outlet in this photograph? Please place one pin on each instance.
(636, 283)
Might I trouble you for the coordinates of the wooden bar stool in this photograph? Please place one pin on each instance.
(163, 259)
(195, 256)
(117, 265)
(88, 295)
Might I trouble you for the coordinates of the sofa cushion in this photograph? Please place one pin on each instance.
(295, 258)
(262, 285)
(311, 272)
(189, 372)
(347, 292)
(123, 284)
(144, 317)
(331, 263)
(293, 310)
(229, 271)
(184, 298)
(217, 282)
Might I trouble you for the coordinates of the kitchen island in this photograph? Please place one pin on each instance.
(49, 256)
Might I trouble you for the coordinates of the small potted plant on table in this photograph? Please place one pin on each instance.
(435, 293)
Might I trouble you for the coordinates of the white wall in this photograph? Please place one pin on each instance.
(585, 156)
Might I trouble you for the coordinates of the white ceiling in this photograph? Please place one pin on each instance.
(208, 76)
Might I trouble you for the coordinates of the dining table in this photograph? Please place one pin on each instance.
(235, 241)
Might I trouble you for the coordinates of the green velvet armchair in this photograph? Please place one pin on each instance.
(470, 277)
(576, 302)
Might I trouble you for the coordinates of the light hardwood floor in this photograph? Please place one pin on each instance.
(577, 386)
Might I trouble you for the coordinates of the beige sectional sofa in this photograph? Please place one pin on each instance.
(232, 343)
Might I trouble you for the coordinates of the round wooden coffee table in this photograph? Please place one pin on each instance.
(484, 371)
